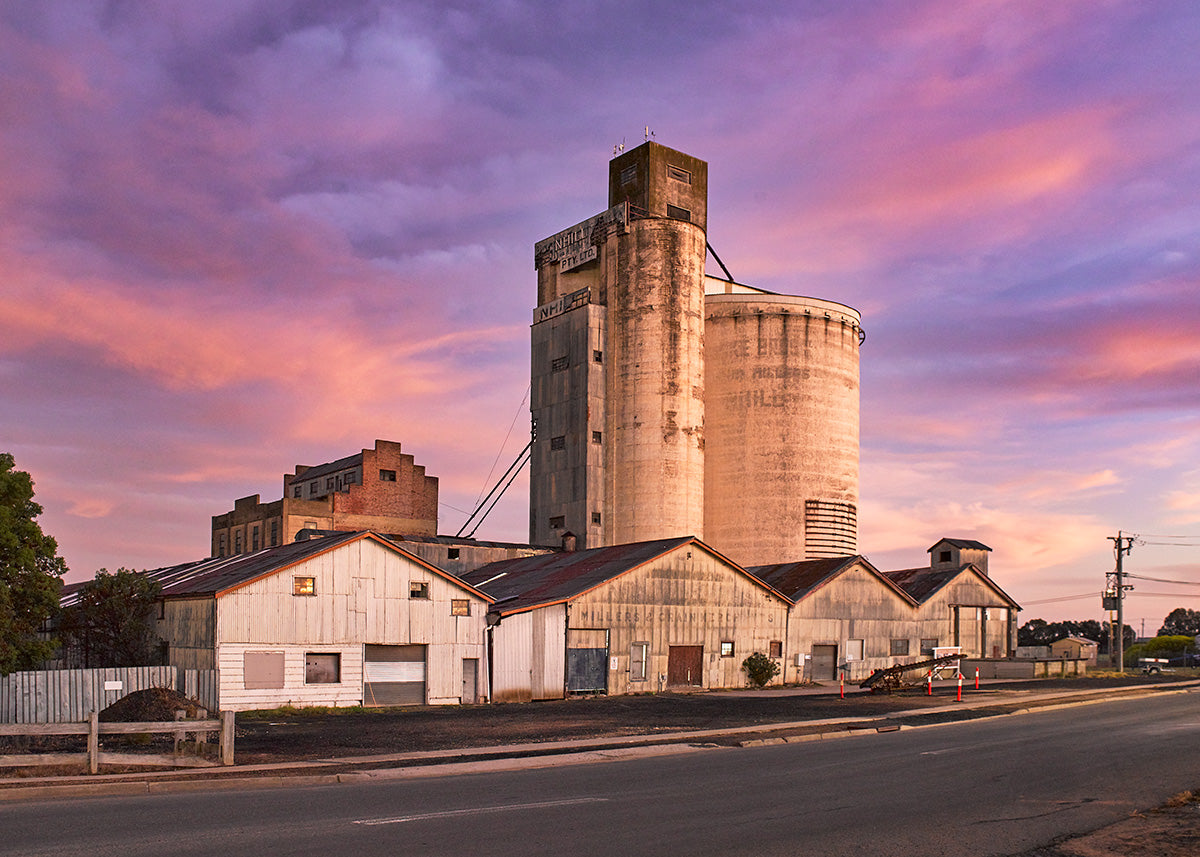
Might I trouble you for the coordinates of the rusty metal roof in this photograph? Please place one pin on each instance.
(217, 575)
(922, 583)
(797, 580)
(533, 581)
(968, 544)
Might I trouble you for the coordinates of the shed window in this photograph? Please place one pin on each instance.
(418, 589)
(322, 668)
(304, 586)
(557, 522)
(899, 647)
(944, 556)
(460, 607)
(262, 669)
(727, 648)
(928, 644)
(596, 518)
(597, 437)
(855, 650)
(776, 650)
(387, 475)
(637, 661)
(597, 356)
(452, 553)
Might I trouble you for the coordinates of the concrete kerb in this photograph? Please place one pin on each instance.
(527, 755)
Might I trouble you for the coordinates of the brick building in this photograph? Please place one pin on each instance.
(378, 489)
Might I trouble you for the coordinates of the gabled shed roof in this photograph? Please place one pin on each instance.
(923, 583)
(217, 575)
(798, 580)
(961, 544)
(524, 583)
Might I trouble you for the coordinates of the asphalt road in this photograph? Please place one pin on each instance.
(996, 787)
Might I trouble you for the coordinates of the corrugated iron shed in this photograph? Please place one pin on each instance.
(799, 579)
(528, 582)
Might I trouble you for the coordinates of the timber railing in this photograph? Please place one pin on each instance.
(94, 756)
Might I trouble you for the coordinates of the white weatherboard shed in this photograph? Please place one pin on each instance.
(631, 618)
(349, 619)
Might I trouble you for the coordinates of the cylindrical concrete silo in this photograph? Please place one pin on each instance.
(782, 411)
(654, 449)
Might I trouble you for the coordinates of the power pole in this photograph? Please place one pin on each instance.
(1122, 544)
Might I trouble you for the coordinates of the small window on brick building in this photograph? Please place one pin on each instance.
(296, 491)
(596, 518)
(221, 545)
(387, 475)
(304, 586)
(274, 533)
(237, 542)
(351, 478)
(597, 437)
(418, 589)
(557, 443)
(899, 647)
(560, 364)
(312, 487)
(460, 607)
(727, 648)
(597, 356)
(254, 538)
(557, 522)
(329, 484)
(452, 553)
(776, 650)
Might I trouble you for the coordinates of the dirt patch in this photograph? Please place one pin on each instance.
(1172, 830)
(287, 735)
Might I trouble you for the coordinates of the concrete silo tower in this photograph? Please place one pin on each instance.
(618, 372)
(782, 406)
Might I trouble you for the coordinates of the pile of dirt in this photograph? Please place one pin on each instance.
(153, 705)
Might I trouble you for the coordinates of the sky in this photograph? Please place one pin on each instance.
(240, 236)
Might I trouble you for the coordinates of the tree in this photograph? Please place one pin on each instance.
(1039, 632)
(1181, 621)
(112, 624)
(30, 573)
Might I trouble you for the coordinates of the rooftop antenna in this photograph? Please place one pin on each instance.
(649, 133)
(619, 148)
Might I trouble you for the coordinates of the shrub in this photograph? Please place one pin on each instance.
(760, 669)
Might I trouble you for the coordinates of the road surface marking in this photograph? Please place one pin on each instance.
(401, 819)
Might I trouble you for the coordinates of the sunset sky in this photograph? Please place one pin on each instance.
(240, 236)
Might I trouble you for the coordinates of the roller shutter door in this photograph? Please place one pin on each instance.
(394, 675)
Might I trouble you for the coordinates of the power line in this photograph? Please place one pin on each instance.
(1164, 580)
(1062, 598)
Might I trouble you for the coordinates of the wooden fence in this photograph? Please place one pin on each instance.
(69, 696)
(94, 757)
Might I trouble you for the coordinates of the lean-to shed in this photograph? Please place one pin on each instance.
(671, 613)
(347, 619)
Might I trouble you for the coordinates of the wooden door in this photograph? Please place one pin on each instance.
(685, 666)
(470, 684)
